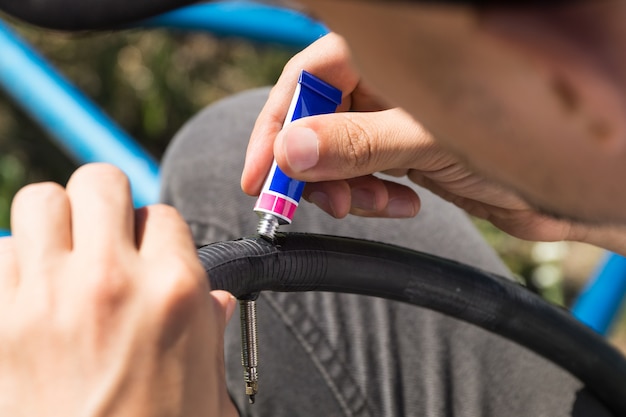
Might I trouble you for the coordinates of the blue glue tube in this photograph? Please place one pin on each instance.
(281, 195)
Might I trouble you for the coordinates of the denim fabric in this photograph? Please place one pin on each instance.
(325, 354)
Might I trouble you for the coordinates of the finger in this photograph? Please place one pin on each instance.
(161, 231)
(381, 198)
(368, 193)
(402, 202)
(165, 244)
(333, 197)
(347, 145)
(102, 208)
(339, 198)
(9, 274)
(329, 59)
(40, 223)
(396, 172)
(226, 302)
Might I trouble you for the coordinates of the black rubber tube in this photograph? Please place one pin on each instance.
(87, 14)
(305, 262)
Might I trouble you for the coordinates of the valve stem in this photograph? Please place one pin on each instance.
(268, 225)
(247, 312)
(277, 203)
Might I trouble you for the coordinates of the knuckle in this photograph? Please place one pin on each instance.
(171, 225)
(108, 282)
(45, 193)
(100, 172)
(296, 63)
(358, 149)
(165, 212)
(292, 64)
(179, 288)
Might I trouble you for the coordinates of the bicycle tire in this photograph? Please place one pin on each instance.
(306, 262)
(73, 15)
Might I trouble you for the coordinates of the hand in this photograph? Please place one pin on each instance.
(337, 154)
(329, 59)
(105, 310)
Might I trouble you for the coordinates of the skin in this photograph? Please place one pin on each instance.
(106, 311)
(478, 142)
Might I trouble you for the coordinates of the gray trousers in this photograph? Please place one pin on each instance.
(325, 354)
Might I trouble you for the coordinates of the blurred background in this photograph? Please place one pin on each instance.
(152, 81)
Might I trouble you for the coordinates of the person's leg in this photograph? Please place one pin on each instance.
(327, 354)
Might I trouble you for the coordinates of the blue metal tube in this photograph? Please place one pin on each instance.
(600, 302)
(71, 119)
(245, 19)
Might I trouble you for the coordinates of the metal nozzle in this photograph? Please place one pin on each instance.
(268, 225)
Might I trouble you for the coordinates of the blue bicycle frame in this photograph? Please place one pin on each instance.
(88, 135)
(84, 131)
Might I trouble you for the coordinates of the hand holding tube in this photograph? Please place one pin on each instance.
(341, 156)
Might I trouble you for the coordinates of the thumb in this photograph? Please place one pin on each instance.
(226, 302)
(347, 145)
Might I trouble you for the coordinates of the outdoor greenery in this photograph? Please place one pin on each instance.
(151, 82)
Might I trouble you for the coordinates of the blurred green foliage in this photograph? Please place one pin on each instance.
(150, 82)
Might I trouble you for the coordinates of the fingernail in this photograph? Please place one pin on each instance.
(363, 199)
(301, 148)
(401, 207)
(322, 201)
